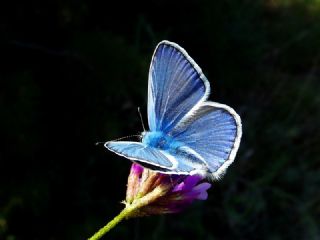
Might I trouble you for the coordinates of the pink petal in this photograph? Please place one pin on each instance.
(179, 187)
(191, 181)
(136, 169)
(202, 196)
(202, 190)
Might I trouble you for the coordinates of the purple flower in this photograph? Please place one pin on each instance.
(150, 193)
(155, 193)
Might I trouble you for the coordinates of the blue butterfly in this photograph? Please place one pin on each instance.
(188, 135)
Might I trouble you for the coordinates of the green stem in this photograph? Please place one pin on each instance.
(131, 210)
(125, 213)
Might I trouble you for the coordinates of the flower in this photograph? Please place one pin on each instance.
(162, 193)
(150, 193)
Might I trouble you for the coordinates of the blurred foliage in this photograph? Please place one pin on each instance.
(73, 73)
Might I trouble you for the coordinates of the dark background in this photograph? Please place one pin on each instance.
(74, 72)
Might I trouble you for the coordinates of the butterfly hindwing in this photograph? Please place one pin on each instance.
(213, 132)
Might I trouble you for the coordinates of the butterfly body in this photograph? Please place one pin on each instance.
(160, 141)
(188, 135)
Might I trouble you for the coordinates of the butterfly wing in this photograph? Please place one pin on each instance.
(184, 161)
(139, 152)
(176, 85)
(214, 133)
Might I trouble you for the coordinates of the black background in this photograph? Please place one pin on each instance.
(74, 72)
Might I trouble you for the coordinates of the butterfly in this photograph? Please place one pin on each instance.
(188, 135)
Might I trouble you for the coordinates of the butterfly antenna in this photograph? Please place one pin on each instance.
(141, 119)
(118, 139)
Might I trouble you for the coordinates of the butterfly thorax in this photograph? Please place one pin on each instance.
(159, 140)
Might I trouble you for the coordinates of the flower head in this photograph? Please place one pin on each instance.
(149, 192)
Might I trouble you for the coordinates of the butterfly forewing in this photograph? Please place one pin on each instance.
(139, 152)
(176, 85)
